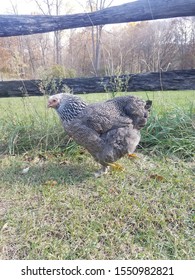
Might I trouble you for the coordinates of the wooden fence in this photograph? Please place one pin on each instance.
(138, 10)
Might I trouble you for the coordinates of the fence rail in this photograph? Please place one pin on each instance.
(139, 10)
(170, 80)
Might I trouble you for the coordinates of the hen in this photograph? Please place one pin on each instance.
(107, 130)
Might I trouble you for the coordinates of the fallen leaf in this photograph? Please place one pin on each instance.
(36, 160)
(25, 170)
(64, 162)
(4, 227)
(114, 191)
(27, 157)
(42, 157)
(51, 183)
(157, 177)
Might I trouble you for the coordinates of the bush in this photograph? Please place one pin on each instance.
(52, 79)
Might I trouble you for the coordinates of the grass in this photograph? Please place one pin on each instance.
(57, 210)
(26, 123)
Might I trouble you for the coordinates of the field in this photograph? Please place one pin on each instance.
(52, 207)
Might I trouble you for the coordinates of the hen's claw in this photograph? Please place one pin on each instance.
(132, 156)
(116, 166)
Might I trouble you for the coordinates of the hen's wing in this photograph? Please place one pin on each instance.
(103, 117)
(117, 112)
(84, 135)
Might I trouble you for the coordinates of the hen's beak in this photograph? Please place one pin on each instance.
(49, 104)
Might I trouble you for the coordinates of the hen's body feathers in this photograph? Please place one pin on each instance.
(108, 130)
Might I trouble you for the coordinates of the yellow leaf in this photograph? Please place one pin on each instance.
(51, 183)
(157, 177)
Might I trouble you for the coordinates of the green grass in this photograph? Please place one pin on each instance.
(58, 211)
(26, 123)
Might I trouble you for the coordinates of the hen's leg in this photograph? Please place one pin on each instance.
(132, 146)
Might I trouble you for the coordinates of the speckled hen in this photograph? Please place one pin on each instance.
(107, 130)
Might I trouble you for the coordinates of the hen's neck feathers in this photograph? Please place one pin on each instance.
(70, 107)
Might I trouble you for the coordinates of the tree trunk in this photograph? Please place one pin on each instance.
(12, 25)
(170, 80)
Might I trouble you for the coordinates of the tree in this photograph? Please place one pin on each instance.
(53, 7)
(96, 33)
(78, 53)
(184, 37)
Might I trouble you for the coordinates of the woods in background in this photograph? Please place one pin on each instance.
(98, 50)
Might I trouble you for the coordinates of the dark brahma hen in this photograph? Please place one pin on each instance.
(108, 130)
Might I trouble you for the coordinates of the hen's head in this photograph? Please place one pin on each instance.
(55, 100)
(68, 106)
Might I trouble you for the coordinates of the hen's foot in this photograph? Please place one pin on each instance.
(116, 166)
(132, 156)
(102, 171)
